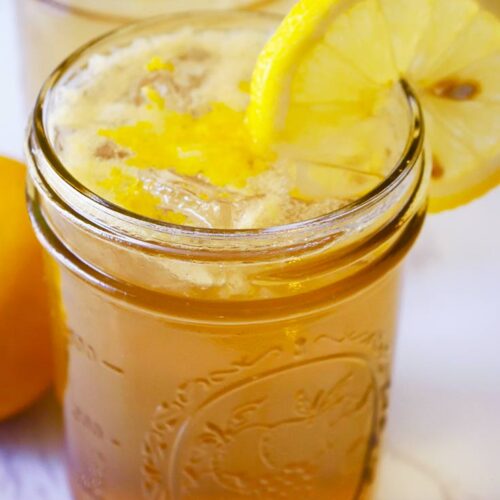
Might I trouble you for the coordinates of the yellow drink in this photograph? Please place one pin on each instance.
(210, 361)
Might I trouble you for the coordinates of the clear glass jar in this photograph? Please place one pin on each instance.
(201, 363)
(51, 29)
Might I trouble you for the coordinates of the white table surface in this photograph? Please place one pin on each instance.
(443, 440)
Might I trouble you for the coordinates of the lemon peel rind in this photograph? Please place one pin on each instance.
(274, 63)
(439, 204)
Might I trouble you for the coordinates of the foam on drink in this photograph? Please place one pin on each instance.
(158, 127)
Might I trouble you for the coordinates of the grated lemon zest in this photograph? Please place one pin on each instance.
(216, 144)
(156, 101)
(130, 193)
(156, 63)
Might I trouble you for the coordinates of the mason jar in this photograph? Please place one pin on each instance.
(197, 363)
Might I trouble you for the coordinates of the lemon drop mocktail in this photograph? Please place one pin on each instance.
(194, 330)
(51, 29)
(225, 202)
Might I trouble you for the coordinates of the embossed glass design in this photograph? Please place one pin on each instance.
(51, 29)
(209, 364)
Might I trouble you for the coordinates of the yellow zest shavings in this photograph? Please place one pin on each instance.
(296, 193)
(244, 87)
(174, 217)
(215, 145)
(129, 192)
(155, 99)
(158, 64)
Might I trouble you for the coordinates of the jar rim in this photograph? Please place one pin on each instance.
(38, 134)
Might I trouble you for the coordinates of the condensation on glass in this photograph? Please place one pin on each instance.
(197, 363)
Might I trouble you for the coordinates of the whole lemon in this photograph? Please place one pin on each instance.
(25, 361)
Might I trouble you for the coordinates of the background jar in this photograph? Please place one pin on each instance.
(51, 29)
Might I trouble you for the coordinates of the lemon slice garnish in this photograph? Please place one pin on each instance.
(332, 64)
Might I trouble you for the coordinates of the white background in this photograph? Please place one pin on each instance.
(443, 440)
